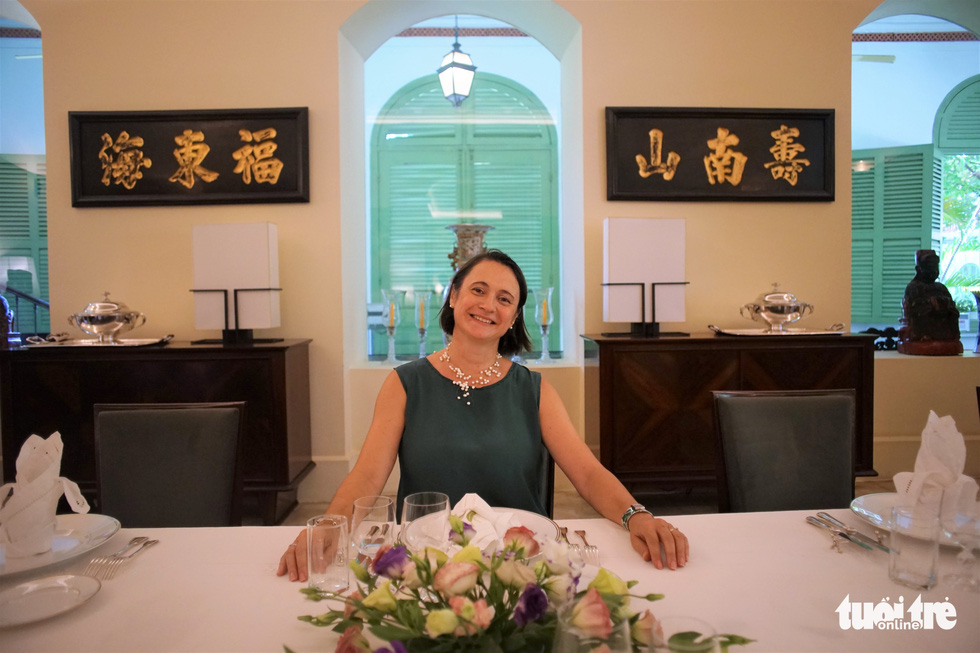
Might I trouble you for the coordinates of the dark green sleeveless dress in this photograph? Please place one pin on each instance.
(492, 446)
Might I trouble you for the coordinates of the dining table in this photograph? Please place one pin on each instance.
(769, 576)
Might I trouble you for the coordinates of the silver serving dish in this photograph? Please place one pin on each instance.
(107, 319)
(776, 309)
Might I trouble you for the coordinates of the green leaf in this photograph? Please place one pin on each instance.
(724, 641)
(389, 631)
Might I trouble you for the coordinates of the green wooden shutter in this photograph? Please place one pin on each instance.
(496, 153)
(895, 210)
(24, 236)
(957, 125)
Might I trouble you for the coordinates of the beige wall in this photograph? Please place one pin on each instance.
(161, 54)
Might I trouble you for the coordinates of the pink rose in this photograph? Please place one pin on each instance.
(484, 614)
(516, 574)
(647, 629)
(519, 537)
(455, 578)
(352, 641)
(349, 605)
(475, 616)
(591, 615)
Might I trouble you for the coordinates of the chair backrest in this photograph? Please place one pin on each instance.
(785, 450)
(547, 486)
(170, 465)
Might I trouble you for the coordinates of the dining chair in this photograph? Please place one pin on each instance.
(546, 489)
(784, 450)
(170, 465)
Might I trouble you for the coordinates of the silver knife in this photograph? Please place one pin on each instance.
(833, 529)
(850, 531)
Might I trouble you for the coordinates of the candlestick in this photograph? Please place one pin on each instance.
(391, 317)
(544, 317)
(423, 303)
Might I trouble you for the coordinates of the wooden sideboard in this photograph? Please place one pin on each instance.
(656, 413)
(53, 388)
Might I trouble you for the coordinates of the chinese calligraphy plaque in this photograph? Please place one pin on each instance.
(189, 157)
(719, 154)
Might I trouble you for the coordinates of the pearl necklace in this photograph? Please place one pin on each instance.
(465, 382)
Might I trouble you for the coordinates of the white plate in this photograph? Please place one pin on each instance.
(543, 527)
(419, 534)
(73, 536)
(876, 509)
(44, 598)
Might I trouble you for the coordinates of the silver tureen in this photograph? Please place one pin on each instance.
(107, 319)
(776, 309)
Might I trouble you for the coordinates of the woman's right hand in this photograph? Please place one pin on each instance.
(293, 561)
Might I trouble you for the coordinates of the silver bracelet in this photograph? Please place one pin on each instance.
(633, 510)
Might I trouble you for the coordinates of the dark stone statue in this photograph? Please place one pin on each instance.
(931, 319)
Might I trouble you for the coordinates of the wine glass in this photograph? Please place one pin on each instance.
(372, 526)
(963, 526)
(425, 521)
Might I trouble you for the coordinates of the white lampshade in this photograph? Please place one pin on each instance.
(456, 75)
(236, 256)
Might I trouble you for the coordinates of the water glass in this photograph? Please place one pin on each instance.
(326, 553)
(914, 545)
(685, 635)
(963, 526)
(372, 526)
(425, 521)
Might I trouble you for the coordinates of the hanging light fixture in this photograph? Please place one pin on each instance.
(456, 73)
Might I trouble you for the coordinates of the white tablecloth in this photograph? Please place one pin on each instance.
(769, 576)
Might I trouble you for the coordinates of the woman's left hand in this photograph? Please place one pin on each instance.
(658, 541)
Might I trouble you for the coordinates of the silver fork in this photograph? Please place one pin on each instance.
(591, 551)
(563, 531)
(117, 561)
(97, 566)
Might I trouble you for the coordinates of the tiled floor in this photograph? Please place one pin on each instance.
(569, 505)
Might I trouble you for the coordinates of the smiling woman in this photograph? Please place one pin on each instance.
(495, 433)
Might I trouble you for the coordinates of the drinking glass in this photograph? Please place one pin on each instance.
(326, 553)
(914, 545)
(963, 527)
(684, 635)
(372, 526)
(571, 638)
(425, 521)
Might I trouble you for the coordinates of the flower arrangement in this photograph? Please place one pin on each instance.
(506, 600)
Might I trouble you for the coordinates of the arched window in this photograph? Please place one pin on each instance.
(493, 161)
(916, 116)
(23, 175)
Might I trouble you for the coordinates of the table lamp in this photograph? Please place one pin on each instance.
(236, 279)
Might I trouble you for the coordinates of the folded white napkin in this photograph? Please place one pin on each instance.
(938, 482)
(490, 524)
(27, 518)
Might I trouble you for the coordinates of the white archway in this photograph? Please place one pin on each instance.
(360, 36)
